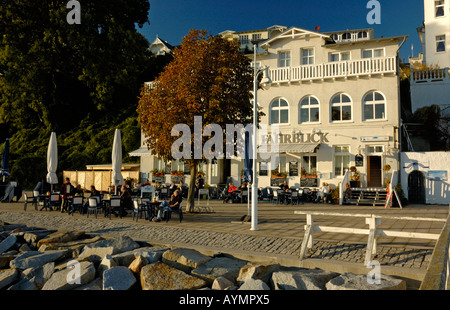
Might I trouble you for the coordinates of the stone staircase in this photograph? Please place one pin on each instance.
(372, 196)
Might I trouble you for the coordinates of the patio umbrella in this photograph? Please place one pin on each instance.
(116, 157)
(5, 160)
(52, 160)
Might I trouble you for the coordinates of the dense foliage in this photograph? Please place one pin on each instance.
(81, 81)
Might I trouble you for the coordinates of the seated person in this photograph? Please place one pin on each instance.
(78, 191)
(172, 188)
(284, 187)
(232, 192)
(172, 205)
(94, 192)
(125, 200)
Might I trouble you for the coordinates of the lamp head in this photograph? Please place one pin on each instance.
(266, 81)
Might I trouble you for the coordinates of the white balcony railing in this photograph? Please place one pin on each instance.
(331, 70)
(436, 75)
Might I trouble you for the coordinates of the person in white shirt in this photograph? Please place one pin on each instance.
(324, 191)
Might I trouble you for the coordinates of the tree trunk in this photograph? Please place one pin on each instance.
(191, 191)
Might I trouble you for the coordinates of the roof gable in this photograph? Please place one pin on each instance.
(292, 33)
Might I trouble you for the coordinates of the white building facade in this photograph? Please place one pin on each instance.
(335, 99)
(433, 86)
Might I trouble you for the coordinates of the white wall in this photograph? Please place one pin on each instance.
(436, 192)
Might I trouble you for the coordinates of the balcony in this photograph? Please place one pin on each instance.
(429, 76)
(333, 70)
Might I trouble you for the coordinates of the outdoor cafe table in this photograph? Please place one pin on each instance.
(46, 199)
(152, 208)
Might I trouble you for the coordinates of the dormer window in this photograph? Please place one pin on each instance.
(362, 35)
(346, 36)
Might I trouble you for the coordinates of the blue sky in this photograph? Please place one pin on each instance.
(172, 19)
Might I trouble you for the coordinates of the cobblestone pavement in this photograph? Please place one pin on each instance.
(280, 231)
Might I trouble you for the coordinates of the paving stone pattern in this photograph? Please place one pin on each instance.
(162, 234)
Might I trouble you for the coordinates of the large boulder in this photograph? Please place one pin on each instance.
(184, 259)
(120, 244)
(257, 271)
(151, 254)
(219, 267)
(301, 279)
(254, 285)
(160, 276)
(35, 278)
(59, 237)
(351, 281)
(33, 259)
(118, 278)
(6, 244)
(95, 254)
(70, 278)
(7, 277)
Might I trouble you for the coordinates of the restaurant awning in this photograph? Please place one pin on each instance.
(290, 148)
(143, 151)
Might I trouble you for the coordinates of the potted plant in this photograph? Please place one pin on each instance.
(200, 174)
(386, 169)
(157, 173)
(355, 177)
(308, 175)
(277, 174)
(177, 173)
(335, 194)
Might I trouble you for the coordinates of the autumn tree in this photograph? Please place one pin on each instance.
(208, 77)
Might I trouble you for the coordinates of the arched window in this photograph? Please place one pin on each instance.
(346, 36)
(279, 111)
(308, 110)
(341, 108)
(362, 35)
(374, 106)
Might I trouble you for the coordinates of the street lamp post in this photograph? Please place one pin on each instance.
(265, 83)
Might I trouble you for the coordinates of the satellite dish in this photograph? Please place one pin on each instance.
(317, 28)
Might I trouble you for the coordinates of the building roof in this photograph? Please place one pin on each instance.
(292, 33)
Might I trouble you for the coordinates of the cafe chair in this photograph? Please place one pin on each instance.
(164, 193)
(114, 205)
(244, 196)
(168, 214)
(54, 202)
(139, 209)
(76, 205)
(93, 206)
(275, 197)
(293, 197)
(32, 199)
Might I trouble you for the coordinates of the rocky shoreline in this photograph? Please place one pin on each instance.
(33, 258)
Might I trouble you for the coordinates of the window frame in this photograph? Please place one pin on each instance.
(341, 154)
(279, 109)
(438, 41)
(282, 63)
(244, 39)
(372, 50)
(309, 106)
(374, 103)
(341, 104)
(308, 57)
(439, 4)
(340, 56)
